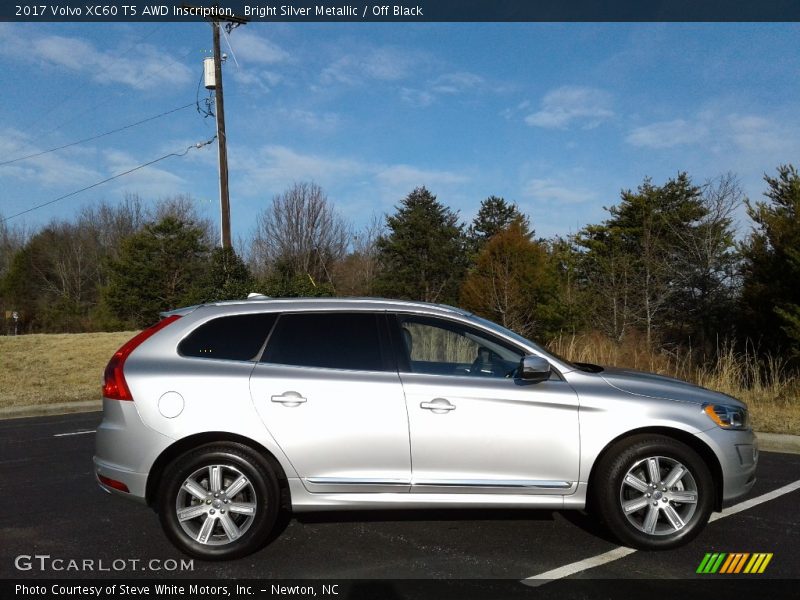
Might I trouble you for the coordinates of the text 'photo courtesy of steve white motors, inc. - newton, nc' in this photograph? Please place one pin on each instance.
(193, 590)
(259, 11)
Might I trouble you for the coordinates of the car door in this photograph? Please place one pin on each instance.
(328, 391)
(474, 427)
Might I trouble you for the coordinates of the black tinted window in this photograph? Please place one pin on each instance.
(327, 340)
(237, 337)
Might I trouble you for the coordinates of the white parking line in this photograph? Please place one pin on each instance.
(732, 510)
(622, 551)
(74, 433)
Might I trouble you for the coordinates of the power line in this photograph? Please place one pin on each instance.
(94, 185)
(61, 102)
(110, 98)
(95, 137)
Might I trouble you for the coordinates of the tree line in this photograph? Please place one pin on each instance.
(665, 264)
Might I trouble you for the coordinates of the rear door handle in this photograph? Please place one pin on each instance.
(437, 405)
(289, 399)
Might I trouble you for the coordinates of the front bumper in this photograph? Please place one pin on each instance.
(737, 452)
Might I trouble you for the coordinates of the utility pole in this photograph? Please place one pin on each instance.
(222, 144)
(222, 141)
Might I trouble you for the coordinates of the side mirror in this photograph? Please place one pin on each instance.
(534, 368)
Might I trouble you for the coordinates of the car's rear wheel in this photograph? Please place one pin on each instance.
(653, 492)
(218, 502)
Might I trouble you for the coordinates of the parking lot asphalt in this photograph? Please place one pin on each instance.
(52, 506)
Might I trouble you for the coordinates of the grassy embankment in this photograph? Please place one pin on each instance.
(48, 368)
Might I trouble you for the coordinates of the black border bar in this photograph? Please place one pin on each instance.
(408, 10)
(716, 587)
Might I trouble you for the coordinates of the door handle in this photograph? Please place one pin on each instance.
(438, 405)
(289, 399)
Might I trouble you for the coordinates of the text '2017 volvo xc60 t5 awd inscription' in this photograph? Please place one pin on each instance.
(221, 415)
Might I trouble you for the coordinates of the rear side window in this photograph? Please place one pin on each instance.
(327, 340)
(238, 337)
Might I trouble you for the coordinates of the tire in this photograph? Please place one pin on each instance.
(218, 502)
(653, 492)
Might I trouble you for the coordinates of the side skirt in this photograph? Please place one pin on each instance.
(304, 501)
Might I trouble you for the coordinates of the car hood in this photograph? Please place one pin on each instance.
(650, 385)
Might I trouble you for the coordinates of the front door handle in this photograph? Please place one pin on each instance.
(289, 399)
(437, 405)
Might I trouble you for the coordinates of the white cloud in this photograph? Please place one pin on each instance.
(272, 168)
(567, 104)
(152, 181)
(251, 48)
(447, 84)
(261, 79)
(310, 120)
(146, 67)
(415, 97)
(57, 170)
(550, 190)
(381, 64)
(667, 134)
(717, 132)
(455, 83)
(408, 177)
(758, 134)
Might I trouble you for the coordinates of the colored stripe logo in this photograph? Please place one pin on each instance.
(734, 563)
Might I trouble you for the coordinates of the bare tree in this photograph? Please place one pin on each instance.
(184, 208)
(704, 263)
(299, 233)
(355, 274)
(12, 239)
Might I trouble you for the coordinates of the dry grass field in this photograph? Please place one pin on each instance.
(48, 368)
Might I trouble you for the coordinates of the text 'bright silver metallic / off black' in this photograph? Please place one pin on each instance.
(222, 415)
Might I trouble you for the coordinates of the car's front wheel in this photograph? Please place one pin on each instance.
(218, 502)
(653, 492)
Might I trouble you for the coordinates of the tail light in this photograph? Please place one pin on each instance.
(114, 385)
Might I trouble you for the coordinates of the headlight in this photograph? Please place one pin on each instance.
(727, 417)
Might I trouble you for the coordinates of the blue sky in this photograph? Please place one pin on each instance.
(556, 117)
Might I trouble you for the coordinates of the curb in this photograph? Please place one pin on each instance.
(55, 408)
(767, 442)
(779, 442)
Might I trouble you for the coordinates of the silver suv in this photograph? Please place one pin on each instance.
(222, 415)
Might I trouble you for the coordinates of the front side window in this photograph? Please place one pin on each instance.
(440, 347)
(237, 337)
(327, 340)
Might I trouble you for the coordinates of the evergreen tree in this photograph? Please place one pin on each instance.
(226, 278)
(495, 215)
(771, 267)
(157, 270)
(422, 256)
(639, 252)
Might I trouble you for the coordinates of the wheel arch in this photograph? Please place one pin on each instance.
(191, 442)
(703, 450)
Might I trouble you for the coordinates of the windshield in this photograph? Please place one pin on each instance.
(515, 336)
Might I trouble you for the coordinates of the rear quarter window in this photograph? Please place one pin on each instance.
(237, 337)
(327, 340)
